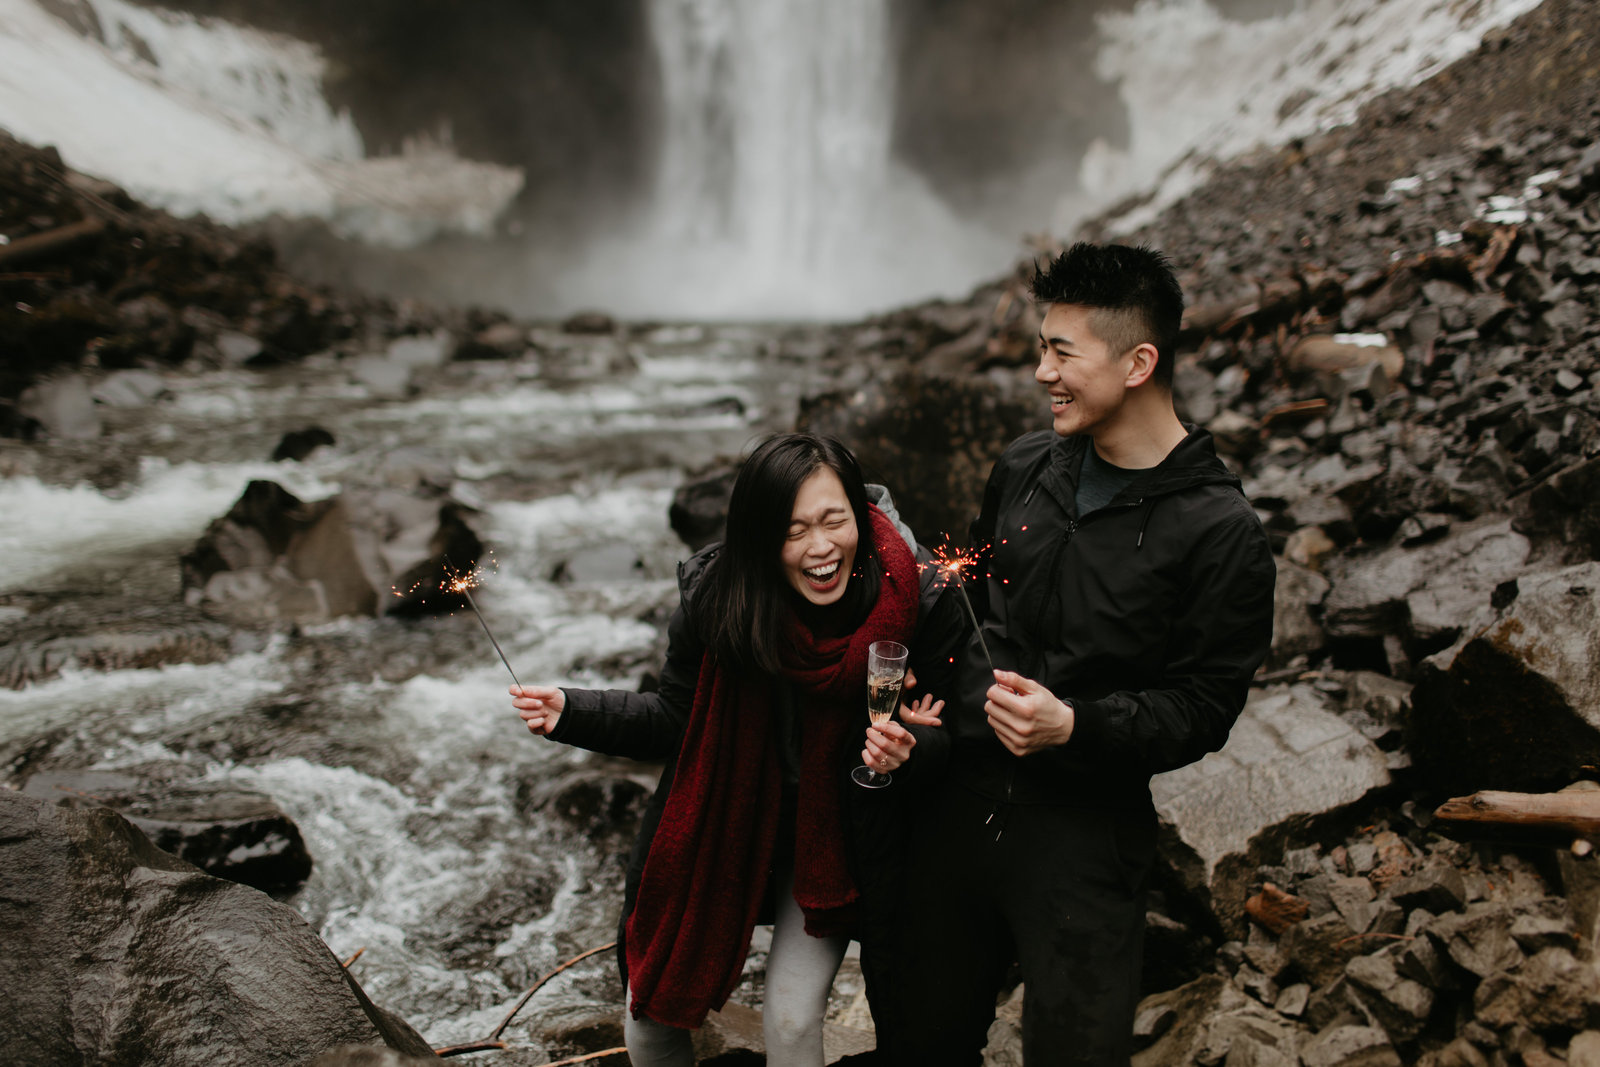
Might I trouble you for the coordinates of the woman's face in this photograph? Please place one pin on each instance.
(821, 545)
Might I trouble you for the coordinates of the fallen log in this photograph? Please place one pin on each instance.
(39, 245)
(1570, 817)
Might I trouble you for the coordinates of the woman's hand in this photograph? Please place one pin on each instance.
(888, 746)
(924, 711)
(539, 705)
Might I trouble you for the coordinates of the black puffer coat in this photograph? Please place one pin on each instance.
(650, 727)
(1150, 616)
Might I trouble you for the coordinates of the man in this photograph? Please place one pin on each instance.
(1125, 593)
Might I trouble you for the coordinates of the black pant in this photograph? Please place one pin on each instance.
(1059, 890)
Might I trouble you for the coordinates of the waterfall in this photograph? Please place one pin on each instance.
(777, 123)
(776, 193)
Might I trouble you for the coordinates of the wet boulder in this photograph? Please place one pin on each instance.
(1210, 1021)
(226, 831)
(298, 444)
(578, 1030)
(600, 562)
(499, 340)
(589, 322)
(1426, 593)
(1289, 758)
(274, 557)
(119, 953)
(1350, 1045)
(1296, 600)
(38, 647)
(132, 388)
(733, 1037)
(1564, 509)
(1552, 990)
(1319, 949)
(1478, 938)
(600, 803)
(1515, 704)
(389, 374)
(63, 405)
(699, 510)
(1400, 1004)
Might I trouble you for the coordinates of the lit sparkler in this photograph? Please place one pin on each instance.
(463, 582)
(951, 564)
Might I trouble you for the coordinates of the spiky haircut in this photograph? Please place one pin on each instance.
(1133, 295)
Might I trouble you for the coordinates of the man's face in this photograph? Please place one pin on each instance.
(1086, 381)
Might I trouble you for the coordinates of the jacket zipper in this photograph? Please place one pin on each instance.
(1038, 629)
(1011, 769)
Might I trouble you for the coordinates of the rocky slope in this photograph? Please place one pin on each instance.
(1395, 336)
(1393, 333)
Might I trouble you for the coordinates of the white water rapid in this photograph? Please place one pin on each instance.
(466, 857)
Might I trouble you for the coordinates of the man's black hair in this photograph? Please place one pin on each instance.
(1134, 295)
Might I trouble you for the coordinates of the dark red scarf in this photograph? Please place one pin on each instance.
(711, 857)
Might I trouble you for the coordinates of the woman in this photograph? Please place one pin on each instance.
(760, 709)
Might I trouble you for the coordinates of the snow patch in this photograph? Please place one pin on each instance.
(206, 117)
(1201, 88)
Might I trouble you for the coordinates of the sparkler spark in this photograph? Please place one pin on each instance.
(951, 563)
(463, 583)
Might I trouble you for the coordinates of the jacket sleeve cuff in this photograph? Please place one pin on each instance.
(569, 706)
(1089, 724)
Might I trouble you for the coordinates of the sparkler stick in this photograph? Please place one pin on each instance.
(977, 629)
(462, 583)
(951, 563)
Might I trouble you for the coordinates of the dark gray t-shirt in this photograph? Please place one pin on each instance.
(1099, 481)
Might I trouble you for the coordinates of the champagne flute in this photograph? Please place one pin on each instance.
(886, 672)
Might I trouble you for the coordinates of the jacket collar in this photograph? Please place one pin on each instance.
(1192, 462)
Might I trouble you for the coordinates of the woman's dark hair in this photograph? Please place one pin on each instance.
(744, 599)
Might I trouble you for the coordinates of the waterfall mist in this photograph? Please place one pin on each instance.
(717, 159)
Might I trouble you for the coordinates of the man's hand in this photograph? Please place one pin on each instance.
(1026, 716)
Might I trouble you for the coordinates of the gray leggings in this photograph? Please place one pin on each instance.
(800, 970)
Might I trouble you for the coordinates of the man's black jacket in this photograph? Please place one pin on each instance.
(1149, 615)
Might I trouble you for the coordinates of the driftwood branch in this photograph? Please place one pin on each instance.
(40, 245)
(528, 995)
(352, 959)
(462, 1050)
(619, 1050)
(495, 1046)
(1564, 817)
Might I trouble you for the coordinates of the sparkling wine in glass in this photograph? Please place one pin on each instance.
(886, 673)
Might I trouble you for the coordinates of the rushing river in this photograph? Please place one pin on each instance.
(444, 836)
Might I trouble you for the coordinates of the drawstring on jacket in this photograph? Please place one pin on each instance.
(1149, 506)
